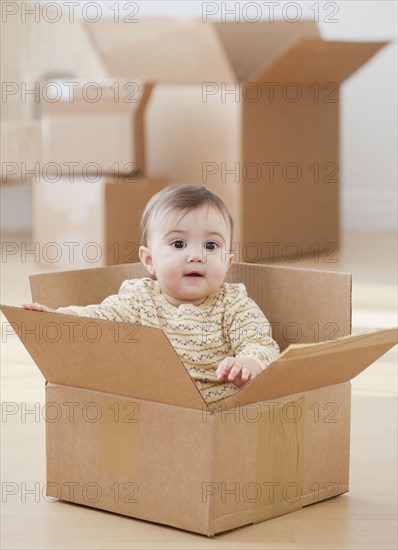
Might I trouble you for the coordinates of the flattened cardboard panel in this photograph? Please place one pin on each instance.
(290, 202)
(302, 305)
(280, 461)
(166, 484)
(125, 203)
(82, 287)
(313, 366)
(249, 46)
(311, 61)
(168, 50)
(120, 358)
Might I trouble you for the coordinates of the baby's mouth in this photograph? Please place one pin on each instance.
(194, 274)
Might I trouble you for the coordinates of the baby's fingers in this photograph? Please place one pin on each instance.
(28, 305)
(235, 371)
(35, 306)
(224, 368)
(246, 374)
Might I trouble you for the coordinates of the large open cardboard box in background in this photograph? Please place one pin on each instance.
(98, 129)
(80, 223)
(249, 109)
(129, 432)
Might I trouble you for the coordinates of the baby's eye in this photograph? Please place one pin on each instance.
(211, 245)
(178, 244)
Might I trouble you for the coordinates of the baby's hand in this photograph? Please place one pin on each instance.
(239, 371)
(37, 307)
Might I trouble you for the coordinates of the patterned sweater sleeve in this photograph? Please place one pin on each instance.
(248, 330)
(123, 306)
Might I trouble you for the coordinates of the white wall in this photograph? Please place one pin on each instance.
(369, 119)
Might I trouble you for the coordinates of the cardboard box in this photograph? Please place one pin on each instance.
(20, 150)
(98, 130)
(141, 440)
(250, 110)
(81, 224)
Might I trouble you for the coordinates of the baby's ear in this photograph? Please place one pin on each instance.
(230, 258)
(146, 259)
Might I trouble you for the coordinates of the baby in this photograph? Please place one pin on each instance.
(186, 249)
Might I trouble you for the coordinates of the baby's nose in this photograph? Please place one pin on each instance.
(196, 254)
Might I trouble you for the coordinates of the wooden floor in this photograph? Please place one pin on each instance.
(364, 518)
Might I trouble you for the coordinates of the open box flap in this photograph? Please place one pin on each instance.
(189, 51)
(309, 61)
(119, 358)
(139, 362)
(251, 46)
(168, 50)
(304, 367)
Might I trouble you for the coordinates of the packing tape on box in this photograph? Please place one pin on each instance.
(279, 459)
(119, 436)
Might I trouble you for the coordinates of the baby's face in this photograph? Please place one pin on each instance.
(188, 254)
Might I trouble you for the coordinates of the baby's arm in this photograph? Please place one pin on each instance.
(117, 307)
(252, 345)
(40, 307)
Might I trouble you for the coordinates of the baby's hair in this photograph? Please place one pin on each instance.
(181, 198)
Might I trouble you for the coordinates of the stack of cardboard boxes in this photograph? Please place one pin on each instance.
(92, 187)
(249, 110)
(252, 111)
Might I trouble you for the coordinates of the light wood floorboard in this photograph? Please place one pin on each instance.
(365, 518)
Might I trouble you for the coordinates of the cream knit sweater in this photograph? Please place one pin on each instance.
(227, 323)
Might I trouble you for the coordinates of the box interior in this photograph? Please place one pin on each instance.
(304, 297)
